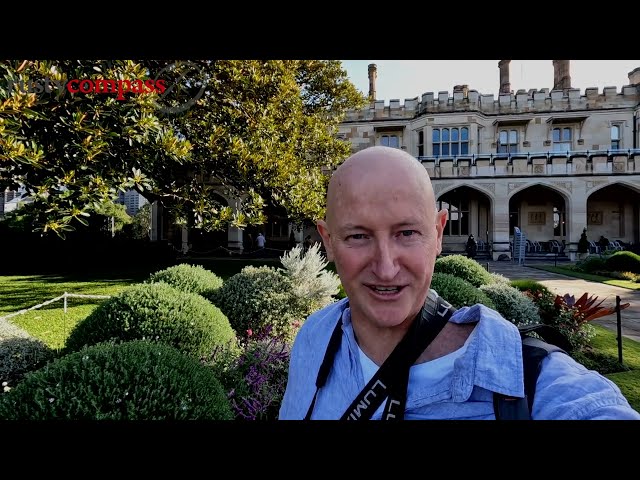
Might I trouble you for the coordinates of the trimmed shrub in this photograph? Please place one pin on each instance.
(260, 298)
(536, 289)
(458, 292)
(465, 268)
(590, 264)
(20, 355)
(623, 261)
(188, 278)
(157, 312)
(512, 304)
(138, 380)
(498, 278)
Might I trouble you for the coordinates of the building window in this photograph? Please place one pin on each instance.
(390, 141)
(278, 228)
(615, 137)
(508, 141)
(420, 143)
(458, 223)
(562, 139)
(450, 141)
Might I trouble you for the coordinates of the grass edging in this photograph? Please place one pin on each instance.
(589, 276)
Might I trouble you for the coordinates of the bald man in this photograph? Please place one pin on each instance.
(384, 234)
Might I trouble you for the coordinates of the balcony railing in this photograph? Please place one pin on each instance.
(530, 156)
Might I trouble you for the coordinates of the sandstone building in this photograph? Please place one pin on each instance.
(550, 162)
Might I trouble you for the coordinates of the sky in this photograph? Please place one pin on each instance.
(402, 79)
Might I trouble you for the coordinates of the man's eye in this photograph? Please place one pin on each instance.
(356, 236)
(407, 233)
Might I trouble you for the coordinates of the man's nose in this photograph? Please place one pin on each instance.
(385, 262)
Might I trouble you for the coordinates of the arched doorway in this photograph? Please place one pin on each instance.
(541, 213)
(613, 212)
(469, 213)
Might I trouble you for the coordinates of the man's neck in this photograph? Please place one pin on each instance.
(378, 343)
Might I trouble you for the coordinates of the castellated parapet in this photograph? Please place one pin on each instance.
(532, 101)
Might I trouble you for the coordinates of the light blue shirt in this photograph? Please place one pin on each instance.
(490, 362)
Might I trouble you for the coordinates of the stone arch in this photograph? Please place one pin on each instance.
(541, 210)
(613, 212)
(521, 186)
(478, 186)
(470, 212)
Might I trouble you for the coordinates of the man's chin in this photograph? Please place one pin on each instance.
(389, 317)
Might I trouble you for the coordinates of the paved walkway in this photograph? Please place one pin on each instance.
(561, 284)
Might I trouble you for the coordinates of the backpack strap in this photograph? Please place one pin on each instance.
(534, 350)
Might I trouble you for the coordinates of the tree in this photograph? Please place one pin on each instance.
(141, 223)
(264, 131)
(115, 215)
(261, 131)
(74, 151)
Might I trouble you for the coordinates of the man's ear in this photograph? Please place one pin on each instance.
(441, 221)
(323, 230)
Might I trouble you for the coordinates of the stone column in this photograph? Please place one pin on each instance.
(234, 234)
(577, 211)
(500, 217)
(234, 239)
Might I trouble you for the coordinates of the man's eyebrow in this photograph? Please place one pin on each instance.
(405, 223)
(352, 226)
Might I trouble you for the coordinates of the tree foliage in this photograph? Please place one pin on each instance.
(72, 152)
(261, 131)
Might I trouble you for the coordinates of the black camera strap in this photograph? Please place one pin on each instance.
(392, 378)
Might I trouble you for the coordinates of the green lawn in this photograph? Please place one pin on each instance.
(52, 325)
(606, 344)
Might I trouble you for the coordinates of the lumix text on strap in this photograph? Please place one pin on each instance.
(391, 379)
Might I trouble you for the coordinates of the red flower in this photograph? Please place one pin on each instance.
(249, 332)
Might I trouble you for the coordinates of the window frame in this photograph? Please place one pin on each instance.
(561, 140)
(420, 142)
(437, 146)
(456, 210)
(389, 135)
(618, 127)
(510, 146)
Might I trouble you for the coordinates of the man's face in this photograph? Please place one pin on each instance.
(384, 236)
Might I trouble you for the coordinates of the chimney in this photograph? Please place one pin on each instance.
(462, 88)
(373, 74)
(561, 75)
(634, 76)
(505, 86)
